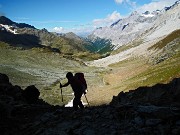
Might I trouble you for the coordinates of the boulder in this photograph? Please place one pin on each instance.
(31, 94)
(4, 79)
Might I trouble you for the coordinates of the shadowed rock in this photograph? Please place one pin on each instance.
(142, 111)
(31, 94)
(159, 94)
(4, 79)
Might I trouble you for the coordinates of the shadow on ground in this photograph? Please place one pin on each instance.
(146, 110)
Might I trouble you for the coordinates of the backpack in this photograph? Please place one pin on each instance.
(80, 77)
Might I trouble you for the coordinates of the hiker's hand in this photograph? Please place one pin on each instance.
(84, 92)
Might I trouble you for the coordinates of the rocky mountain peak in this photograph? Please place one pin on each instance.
(44, 30)
(6, 21)
(71, 35)
(146, 13)
(115, 23)
(134, 13)
(157, 12)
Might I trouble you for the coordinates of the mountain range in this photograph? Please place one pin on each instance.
(133, 85)
(146, 26)
(27, 36)
(139, 47)
(135, 35)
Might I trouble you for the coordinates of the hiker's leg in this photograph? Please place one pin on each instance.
(79, 100)
(75, 103)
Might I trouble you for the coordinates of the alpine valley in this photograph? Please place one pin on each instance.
(132, 69)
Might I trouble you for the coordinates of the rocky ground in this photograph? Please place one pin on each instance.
(146, 110)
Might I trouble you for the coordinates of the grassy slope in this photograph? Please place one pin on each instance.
(164, 70)
(160, 73)
(143, 71)
(161, 44)
(131, 74)
(43, 69)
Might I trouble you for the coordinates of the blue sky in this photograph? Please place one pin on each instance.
(79, 16)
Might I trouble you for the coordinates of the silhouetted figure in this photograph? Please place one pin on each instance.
(77, 88)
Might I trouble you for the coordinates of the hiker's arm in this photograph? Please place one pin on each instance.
(65, 85)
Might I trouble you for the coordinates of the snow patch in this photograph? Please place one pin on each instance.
(148, 15)
(9, 28)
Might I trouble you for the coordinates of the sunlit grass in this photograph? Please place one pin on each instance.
(160, 73)
(166, 40)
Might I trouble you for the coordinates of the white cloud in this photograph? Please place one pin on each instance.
(88, 28)
(155, 4)
(83, 30)
(119, 1)
(58, 29)
(108, 20)
(131, 4)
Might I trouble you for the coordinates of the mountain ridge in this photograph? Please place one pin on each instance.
(135, 43)
(15, 34)
(6, 21)
(135, 25)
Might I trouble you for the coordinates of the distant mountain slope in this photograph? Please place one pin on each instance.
(64, 44)
(135, 41)
(19, 40)
(155, 51)
(146, 26)
(27, 36)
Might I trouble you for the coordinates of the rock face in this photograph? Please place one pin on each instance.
(147, 110)
(160, 94)
(31, 94)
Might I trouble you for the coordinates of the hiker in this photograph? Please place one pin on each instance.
(77, 87)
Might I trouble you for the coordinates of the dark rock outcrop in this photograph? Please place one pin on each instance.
(4, 20)
(4, 79)
(31, 94)
(147, 110)
(159, 94)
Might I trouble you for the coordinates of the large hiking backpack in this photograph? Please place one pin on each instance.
(80, 77)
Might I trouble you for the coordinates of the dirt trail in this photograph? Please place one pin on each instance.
(113, 82)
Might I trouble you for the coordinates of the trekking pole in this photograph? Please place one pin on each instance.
(61, 92)
(86, 100)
